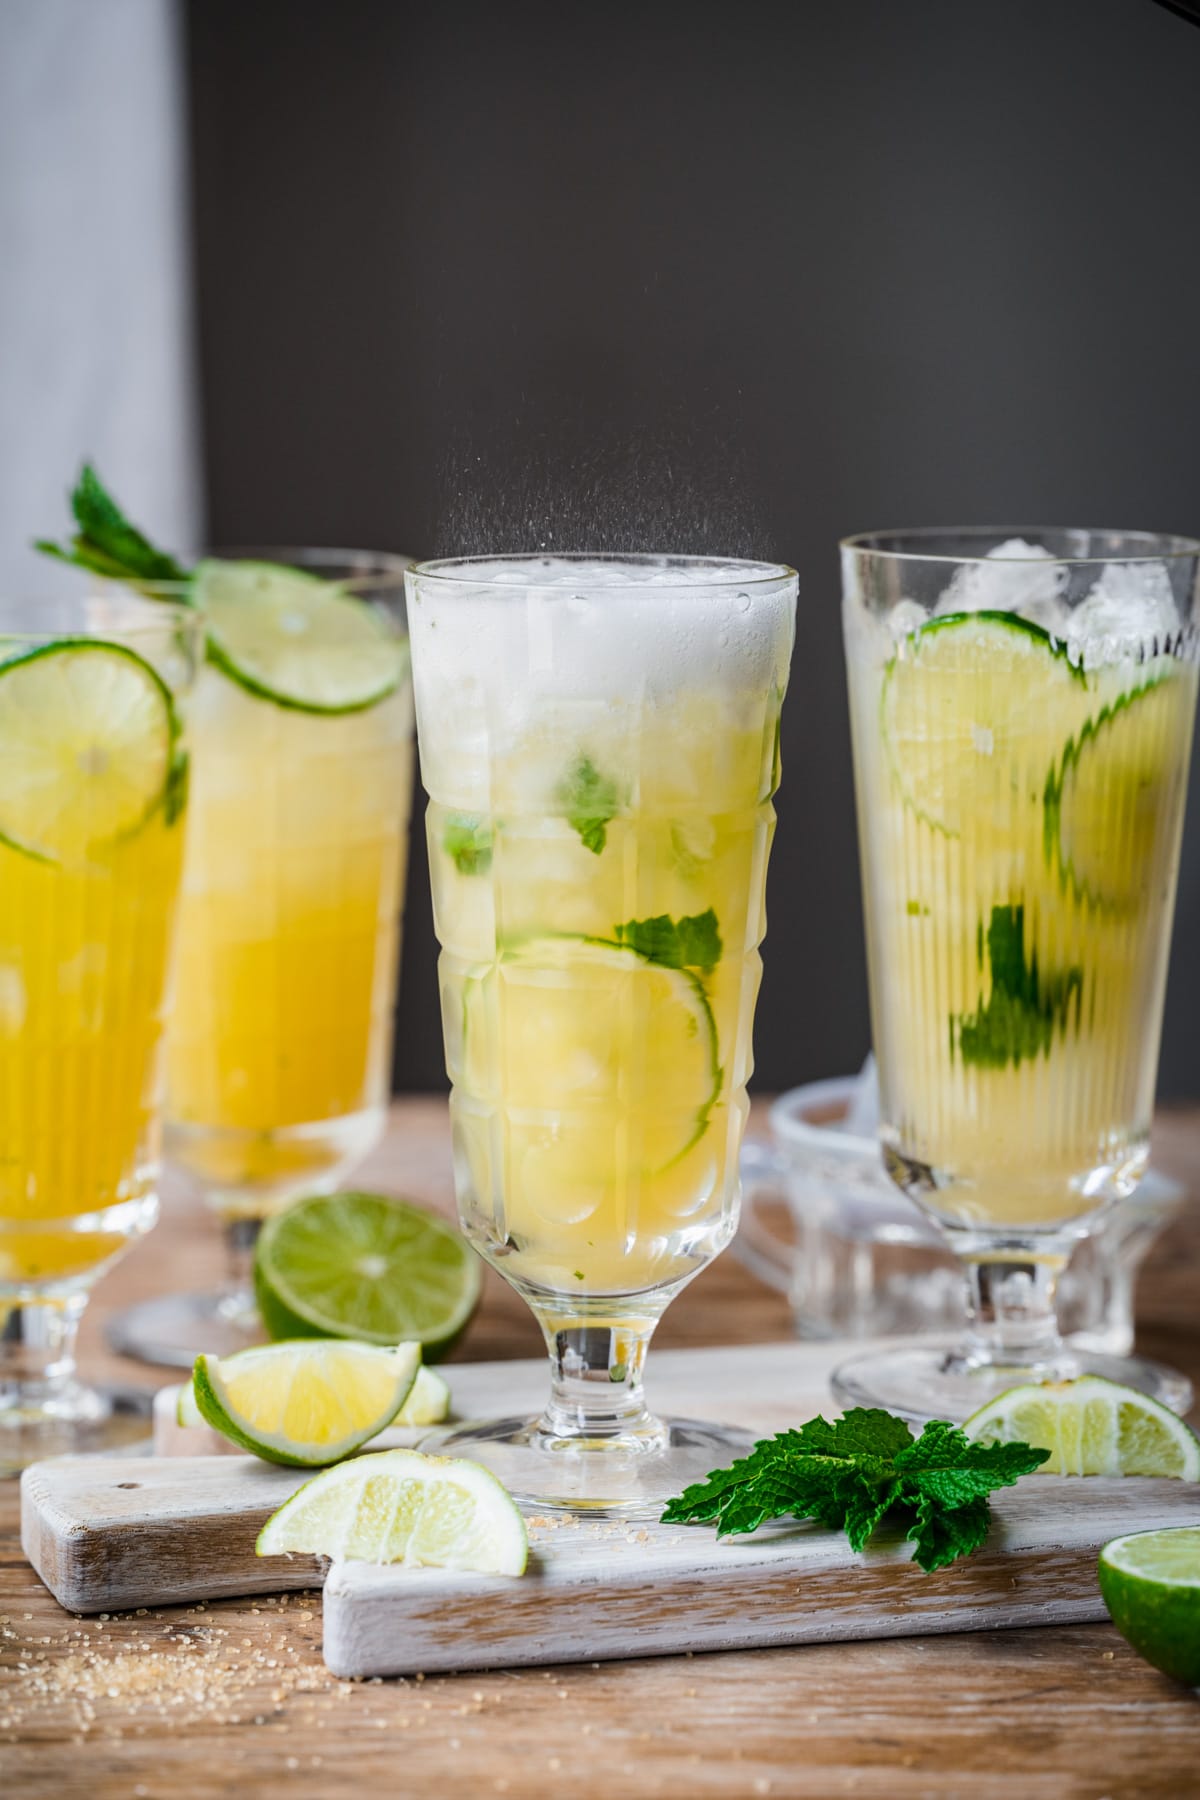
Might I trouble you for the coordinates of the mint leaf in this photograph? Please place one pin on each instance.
(691, 943)
(851, 1473)
(590, 802)
(1024, 1009)
(107, 544)
(467, 840)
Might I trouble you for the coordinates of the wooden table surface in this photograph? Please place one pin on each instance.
(233, 1696)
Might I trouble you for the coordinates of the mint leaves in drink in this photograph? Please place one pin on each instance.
(107, 544)
(691, 943)
(467, 841)
(590, 802)
(852, 1474)
(1024, 1007)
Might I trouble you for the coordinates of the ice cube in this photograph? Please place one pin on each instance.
(906, 617)
(1130, 613)
(1015, 576)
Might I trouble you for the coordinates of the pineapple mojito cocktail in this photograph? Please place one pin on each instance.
(1021, 778)
(93, 791)
(600, 743)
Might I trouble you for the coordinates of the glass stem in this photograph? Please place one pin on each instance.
(37, 1351)
(241, 1235)
(1011, 1317)
(596, 1370)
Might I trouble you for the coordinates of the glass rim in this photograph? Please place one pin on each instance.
(726, 571)
(1162, 546)
(365, 572)
(131, 614)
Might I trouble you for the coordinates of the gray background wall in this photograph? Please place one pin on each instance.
(704, 276)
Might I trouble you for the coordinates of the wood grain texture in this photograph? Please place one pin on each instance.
(201, 1701)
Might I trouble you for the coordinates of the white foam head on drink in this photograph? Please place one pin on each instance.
(514, 638)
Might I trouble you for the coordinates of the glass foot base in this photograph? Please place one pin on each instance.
(932, 1380)
(621, 1477)
(174, 1330)
(75, 1421)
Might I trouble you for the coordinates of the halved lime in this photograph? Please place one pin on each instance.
(563, 1025)
(397, 1506)
(975, 707)
(1091, 1427)
(296, 639)
(89, 736)
(365, 1266)
(304, 1403)
(1113, 798)
(1150, 1581)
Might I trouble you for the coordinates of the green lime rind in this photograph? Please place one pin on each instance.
(295, 639)
(208, 1404)
(1150, 1583)
(171, 795)
(1106, 894)
(907, 657)
(366, 1266)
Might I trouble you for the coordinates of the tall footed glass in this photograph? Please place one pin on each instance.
(1022, 704)
(279, 1051)
(93, 796)
(599, 739)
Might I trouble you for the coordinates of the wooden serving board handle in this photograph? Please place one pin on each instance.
(106, 1532)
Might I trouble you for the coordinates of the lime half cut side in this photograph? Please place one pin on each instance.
(1091, 1427)
(305, 1403)
(397, 1506)
(365, 1266)
(974, 704)
(89, 734)
(294, 639)
(1150, 1581)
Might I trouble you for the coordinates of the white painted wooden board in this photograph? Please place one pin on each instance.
(110, 1533)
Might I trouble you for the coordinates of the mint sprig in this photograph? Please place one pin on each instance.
(1025, 1007)
(853, 1473)
(467, 840)
(690, 943)
(107, 543)
(590, 802)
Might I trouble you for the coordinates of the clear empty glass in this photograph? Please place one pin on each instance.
(1022, 706)
(599, 739)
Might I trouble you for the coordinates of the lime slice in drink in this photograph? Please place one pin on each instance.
(427, 1402)
(1091, 1427)
(1114, 791)
(293, 638)
(304, 1403)
(972, 704)
(90, 737)
(365, 1266)
(1151, 1585)
(397, 1506)
(571, 1020)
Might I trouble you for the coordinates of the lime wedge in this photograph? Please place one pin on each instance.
(290, 637)
(1113, 799)
(397, 1506)
(428, 1400)
(973, 702)
(305, 1403)
(90, 737)
(556, 1021)
(1091, 1427)
(365, 1266)
(1151, 1585)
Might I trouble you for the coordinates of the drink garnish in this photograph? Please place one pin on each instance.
(1025, 1007)
(107, 544)
(467, 841)
(590, 802)
(853, 1473)
(691, 943)
(1091, 1427)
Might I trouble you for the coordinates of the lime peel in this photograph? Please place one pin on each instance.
(1150, 1581)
